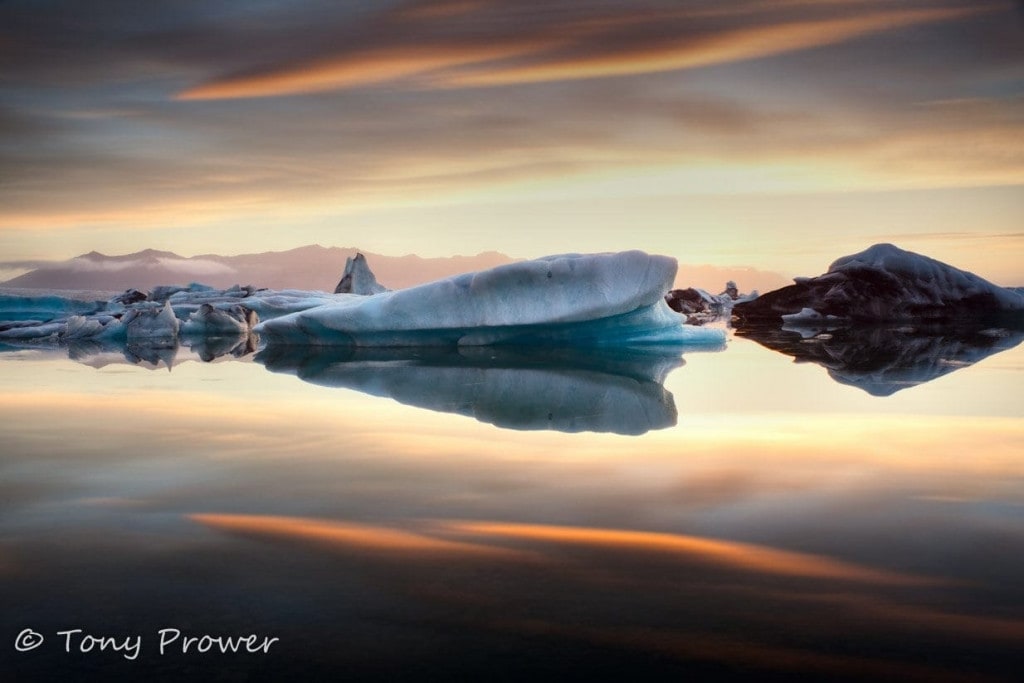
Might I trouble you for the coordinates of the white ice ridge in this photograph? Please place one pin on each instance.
(573, 299)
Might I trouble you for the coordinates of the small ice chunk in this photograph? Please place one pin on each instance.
(211, 321)
(805, 315)
(153, 324)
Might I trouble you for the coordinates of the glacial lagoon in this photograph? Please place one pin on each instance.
(812, 505)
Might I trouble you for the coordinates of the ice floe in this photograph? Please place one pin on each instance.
(585, 300)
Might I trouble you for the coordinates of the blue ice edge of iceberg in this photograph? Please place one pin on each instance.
(614, 299)
(641, 327)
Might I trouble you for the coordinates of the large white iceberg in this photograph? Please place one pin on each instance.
(594, 299)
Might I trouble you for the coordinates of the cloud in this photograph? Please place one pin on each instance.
(126, 118)
(365, 68)
(192, 266)
(492, 45)
(717, 48)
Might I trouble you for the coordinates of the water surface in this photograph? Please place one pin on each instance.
(730, 514)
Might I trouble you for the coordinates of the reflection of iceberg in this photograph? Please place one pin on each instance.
(578, 300)
(884, 360)
(596, 390)
(210, 348)
(148, 353)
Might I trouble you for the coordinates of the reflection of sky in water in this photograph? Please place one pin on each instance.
(787, 523)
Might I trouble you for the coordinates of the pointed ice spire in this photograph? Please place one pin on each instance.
(358, 278)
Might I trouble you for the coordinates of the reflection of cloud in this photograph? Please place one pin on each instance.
(731, 554)
(696, 646)
(918, 617)
(351, 535)
(342, 481)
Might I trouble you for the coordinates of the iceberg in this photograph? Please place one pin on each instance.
(700, 306)
(574, 299)
(523, 388)
(215, 322)
(164, 313)
(886, 283)
(807, 316)
(357, 278)
(17, 305)
(151, 324)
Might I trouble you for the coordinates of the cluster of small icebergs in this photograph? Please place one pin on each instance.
(159, 318)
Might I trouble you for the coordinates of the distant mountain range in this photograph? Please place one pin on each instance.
(310, 267)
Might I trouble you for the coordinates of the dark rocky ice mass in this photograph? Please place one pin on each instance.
(884, 283)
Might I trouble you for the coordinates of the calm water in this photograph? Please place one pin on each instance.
(429, 516)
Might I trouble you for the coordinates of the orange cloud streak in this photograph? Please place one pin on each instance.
(730, 46)
(467, 65)
(743, 556)
(363, 68)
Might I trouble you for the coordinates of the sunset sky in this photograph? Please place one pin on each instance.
(779, 134)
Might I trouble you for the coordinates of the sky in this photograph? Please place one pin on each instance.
(779, 134)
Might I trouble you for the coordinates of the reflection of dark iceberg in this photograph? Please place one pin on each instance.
(883, 360)
(512, 387)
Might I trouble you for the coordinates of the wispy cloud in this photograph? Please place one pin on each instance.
(715, 48)
(488, 44)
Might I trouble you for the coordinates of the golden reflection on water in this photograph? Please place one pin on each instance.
(743, 556)
(364, 537)
(757, 591)
(711, 457)
(746, 535)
